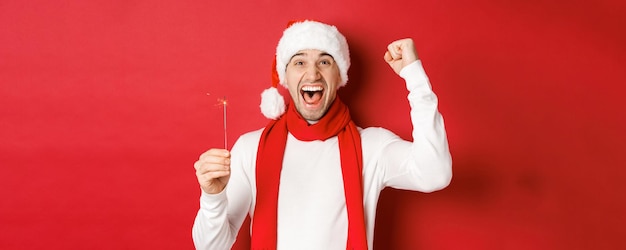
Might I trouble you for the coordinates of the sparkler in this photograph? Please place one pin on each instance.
(223, 102)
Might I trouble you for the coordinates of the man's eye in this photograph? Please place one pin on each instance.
(298, 63)
(325, 62)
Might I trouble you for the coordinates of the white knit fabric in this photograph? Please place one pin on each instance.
(311, 203)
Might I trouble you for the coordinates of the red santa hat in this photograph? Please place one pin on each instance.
(300, 36)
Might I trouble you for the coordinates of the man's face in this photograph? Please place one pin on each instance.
(313, 78)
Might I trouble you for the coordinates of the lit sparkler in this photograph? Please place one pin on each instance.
(223, 102)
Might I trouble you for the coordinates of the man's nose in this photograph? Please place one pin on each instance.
(312, 73)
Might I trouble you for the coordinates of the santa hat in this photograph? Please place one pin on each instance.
(300, 36)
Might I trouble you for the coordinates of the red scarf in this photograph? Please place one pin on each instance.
(269, 162)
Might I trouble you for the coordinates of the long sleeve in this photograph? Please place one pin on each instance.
(221, 215)
(424, 164)
(211, 229)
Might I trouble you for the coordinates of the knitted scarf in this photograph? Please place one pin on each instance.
(269, 162)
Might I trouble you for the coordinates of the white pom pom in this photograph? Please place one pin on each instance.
(272, 103)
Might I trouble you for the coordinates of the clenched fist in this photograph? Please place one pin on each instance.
(400, 53)
(213, 170)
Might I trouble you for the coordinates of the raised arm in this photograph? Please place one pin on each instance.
(424, 164)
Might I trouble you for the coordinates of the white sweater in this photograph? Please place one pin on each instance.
(311, 203)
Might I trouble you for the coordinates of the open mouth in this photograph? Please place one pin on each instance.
(312, 94)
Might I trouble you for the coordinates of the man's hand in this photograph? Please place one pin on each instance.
(400, 53)
(213, 170)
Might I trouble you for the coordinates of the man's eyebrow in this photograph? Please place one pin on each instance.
(326, 54)
(302, 54)
(297, 54)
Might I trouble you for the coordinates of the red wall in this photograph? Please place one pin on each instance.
(104, 109)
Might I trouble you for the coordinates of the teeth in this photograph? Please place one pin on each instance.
(312, 88)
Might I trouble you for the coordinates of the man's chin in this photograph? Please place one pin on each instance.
(311, 115)
(306, 109)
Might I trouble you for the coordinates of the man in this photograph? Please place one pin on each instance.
(311, 179)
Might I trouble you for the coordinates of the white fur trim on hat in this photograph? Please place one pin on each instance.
(312, 35)
(272, 103)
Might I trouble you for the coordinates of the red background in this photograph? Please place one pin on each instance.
(104, 110)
